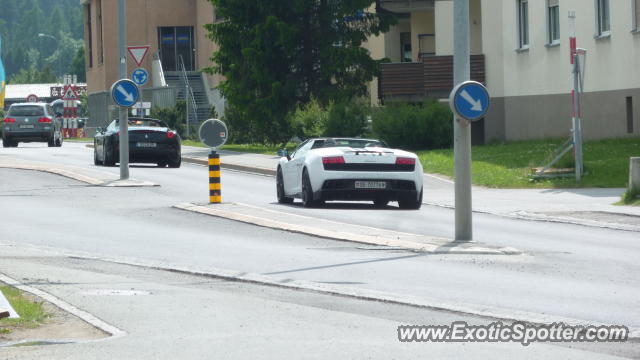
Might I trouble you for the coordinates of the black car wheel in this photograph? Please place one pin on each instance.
(52, 141)
(307, 191)
(282, 199)
(175, 162)
(108, 159)
(6, 143)
(411, 204)
(59, 140)
(95, 157)
(161, 164)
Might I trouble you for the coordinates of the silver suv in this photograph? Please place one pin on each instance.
(31, 122)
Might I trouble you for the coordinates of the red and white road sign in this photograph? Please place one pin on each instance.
(32, 98)
(69, 93)
(138, 53)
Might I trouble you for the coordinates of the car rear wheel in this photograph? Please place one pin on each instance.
(307, 191)
(175, 162)
(108, 159)
(6, 143)
(411, 204)
(282, 199)
(51, 142)
(95, 157)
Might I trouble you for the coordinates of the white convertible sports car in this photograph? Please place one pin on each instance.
(349, 169)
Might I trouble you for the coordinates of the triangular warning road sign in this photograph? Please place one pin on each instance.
(138, 53)
(69, 93)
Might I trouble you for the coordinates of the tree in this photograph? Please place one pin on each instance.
(278, 54)
(78, 65)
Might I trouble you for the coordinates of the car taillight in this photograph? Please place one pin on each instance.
(9, 120)
(44, 120)
(170, 134)
(405, 161)
(333, 160)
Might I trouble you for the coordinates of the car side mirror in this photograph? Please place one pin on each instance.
(284, 153)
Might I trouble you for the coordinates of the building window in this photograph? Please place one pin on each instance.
(553, 21)
(406, 53)
(603, 18)
(100, 32)
(89, 35)
(523, 24)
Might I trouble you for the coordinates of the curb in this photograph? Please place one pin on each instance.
(81, 314)
(411, 242)
(250, 169)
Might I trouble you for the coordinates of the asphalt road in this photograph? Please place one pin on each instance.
(179, 316)
(566, 271)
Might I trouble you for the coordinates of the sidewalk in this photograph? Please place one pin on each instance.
(591, 207)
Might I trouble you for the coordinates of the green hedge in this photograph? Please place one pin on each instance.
(409, 126)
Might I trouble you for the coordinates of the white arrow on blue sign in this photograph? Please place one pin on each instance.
(470, 100)
(140, 76)
(125, 93)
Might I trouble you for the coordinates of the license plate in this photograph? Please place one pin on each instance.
(26, 126)
(146, 145)
(371, 185)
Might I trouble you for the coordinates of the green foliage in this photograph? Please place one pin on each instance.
(309, 120)
(78, 65)
(22, 21)
(175, 117)
(32, 313)
(423, 126)
(508, 165)
(214, 113)
(347, 118)
(276, 55)
(33, 76)
(630, 197)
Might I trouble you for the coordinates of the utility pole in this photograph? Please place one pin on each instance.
(124, 112)
(462, 127)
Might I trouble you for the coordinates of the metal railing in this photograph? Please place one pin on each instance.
(189, 96)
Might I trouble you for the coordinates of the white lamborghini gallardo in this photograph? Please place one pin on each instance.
(349, 169)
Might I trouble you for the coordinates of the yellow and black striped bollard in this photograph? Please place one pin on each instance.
(215, 188)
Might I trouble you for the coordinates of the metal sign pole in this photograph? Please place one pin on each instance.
(575, 94)
(124, 112)
(462, 127)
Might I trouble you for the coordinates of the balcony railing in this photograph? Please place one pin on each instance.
(405, 6)
(433, 77)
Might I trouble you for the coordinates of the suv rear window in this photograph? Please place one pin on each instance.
(30, 110)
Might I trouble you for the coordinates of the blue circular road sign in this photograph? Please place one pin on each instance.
(470, 100)
(125, 93)
(140, 76)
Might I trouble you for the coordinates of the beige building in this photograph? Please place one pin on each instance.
(520, 50)
(175, 32)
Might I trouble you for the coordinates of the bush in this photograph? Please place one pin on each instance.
(310, 120)
(174, 117)
(347, 118)
(424, 126)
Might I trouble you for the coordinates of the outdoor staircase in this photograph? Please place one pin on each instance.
(175, 79)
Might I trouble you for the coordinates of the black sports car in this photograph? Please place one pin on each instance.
(150, 141)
